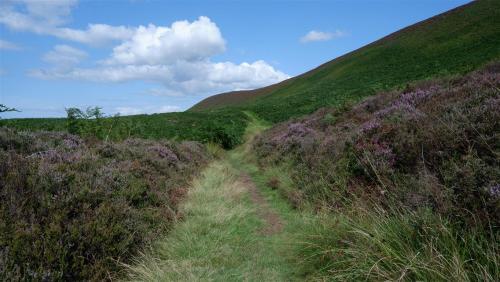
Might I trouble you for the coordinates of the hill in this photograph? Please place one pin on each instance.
(452, 43)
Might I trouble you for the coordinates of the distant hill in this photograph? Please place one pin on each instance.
(455, 42)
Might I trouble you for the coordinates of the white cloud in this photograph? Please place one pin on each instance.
(51, 12)
(315, 35)
(163, 92)
(64, 57)
(179, 56)
(146, 110)
(182, 41)
(47, 17)
(95, 34)
(7, 45)
(191, 78)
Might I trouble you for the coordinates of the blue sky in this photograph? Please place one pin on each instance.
(158, 56)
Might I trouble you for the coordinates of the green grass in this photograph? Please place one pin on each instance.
(453, 43)
(449, 44)
(219, 239)
(404, 246)
(223, 127)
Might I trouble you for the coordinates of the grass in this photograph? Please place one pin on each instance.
(405, 183)
(219, 238)
(450, 44)
(223, 127)
(403, 246)
(453, 43)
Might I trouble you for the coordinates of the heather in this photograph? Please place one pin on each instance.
(75, 209)
(409, 173)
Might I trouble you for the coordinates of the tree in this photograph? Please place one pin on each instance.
(74, 118)
(4, 109)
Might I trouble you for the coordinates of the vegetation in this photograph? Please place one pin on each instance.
(453, 43)
(225, 128)
(221, 238)
(72, 209)
(403, 185)
(411, 177)
(374, 245)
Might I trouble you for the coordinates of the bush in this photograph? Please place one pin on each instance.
(73, 210)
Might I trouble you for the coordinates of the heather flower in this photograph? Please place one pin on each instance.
(381, 152)
(370, 125)
(293, 132)
(166, 153)
(72, 141)
(66, 198)
(494, 191)
(407, 104)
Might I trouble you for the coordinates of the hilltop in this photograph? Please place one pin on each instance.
(452, 43)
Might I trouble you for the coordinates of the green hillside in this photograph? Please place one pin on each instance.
(452, 43)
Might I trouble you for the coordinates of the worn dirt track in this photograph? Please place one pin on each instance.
(273, 221)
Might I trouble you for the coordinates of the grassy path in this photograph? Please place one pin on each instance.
(234, 228)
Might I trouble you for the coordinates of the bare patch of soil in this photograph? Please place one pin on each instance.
(273, 222)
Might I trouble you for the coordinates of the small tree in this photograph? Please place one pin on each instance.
(74, 120)
(4, 109)
(94, 116)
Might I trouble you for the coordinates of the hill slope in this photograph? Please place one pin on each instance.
(455, 42)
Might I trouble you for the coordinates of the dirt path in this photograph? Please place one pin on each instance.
(273, 221)
(235, 228)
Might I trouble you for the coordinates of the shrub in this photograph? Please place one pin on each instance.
(432, 145)
(73, 210)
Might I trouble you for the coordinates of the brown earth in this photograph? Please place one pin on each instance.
(273, 222)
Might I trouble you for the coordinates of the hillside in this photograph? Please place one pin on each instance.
(454, 42)
(409, 180)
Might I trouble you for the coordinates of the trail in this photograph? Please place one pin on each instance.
(234, 228)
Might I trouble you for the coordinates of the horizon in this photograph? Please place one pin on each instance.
(156, 63)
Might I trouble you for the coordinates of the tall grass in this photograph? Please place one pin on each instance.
(399, 246)
(218, 239)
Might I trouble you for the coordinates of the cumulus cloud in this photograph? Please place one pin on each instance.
(192, 78)
(182, 41)
(179, 56)
(315, 35)
(146, 110)
(7, 45)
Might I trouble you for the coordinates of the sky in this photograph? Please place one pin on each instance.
(139, 56)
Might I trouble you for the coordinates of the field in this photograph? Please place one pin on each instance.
(225, 128)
